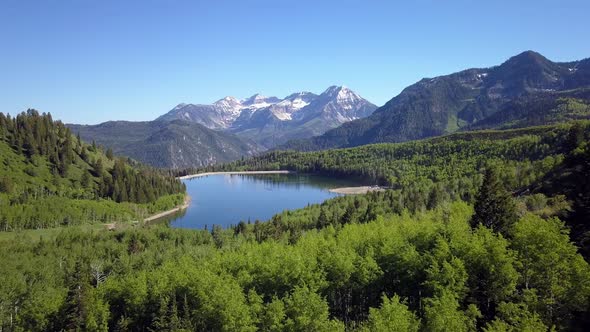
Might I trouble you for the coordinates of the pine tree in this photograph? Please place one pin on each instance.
(160, 321)
(110, 154)
(73, 311)
(322, 219)
(494, 207)
(575, 137)
(348, 216)
(86, 179)
(98, 167)
(173, 319)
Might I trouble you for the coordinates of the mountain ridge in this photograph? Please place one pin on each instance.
(445, 104)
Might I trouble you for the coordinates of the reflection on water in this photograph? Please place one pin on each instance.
(228, 199)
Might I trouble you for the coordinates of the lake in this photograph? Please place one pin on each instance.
(226, 200)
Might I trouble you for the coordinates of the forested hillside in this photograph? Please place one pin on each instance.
(539, 110)
(50, 178)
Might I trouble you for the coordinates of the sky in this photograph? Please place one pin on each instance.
(92, 61)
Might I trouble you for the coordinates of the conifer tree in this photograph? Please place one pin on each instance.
(494, 207)
(110, 154)
(73, 312)
(322, 219)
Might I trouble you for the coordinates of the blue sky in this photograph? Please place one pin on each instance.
(92, 61)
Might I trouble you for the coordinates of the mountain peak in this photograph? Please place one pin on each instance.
(335, 89)
(256, 96)
(341, 93)
(228, 100)
(527, 57)
(179, 106)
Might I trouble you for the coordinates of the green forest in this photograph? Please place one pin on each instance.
(50, 178)
(435, 270)
(478, 231)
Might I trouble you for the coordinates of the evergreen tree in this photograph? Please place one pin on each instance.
(110, 153)
(322, 219)
(73, 311)
(86, 179)
(494, 207)
(98, 167)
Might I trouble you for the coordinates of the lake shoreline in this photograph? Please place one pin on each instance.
(185, 205)
(192, 176)
(356, 190)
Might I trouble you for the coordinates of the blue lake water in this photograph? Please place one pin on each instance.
(228, 199)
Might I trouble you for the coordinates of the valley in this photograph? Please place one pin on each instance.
(420, 232)
(461, 204)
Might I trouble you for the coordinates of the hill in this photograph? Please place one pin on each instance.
(50, 178)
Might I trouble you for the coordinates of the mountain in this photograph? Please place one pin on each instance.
(170, 144)
(445, 104)
(270, 121)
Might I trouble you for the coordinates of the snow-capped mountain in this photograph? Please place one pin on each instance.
(271, 121)
(340, 104)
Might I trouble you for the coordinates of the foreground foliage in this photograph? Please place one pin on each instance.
(405, 272)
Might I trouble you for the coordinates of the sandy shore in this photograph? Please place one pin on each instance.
(355, 190)
(187, 202)
(244, 172)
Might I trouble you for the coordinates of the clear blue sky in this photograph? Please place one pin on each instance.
(92, 61)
